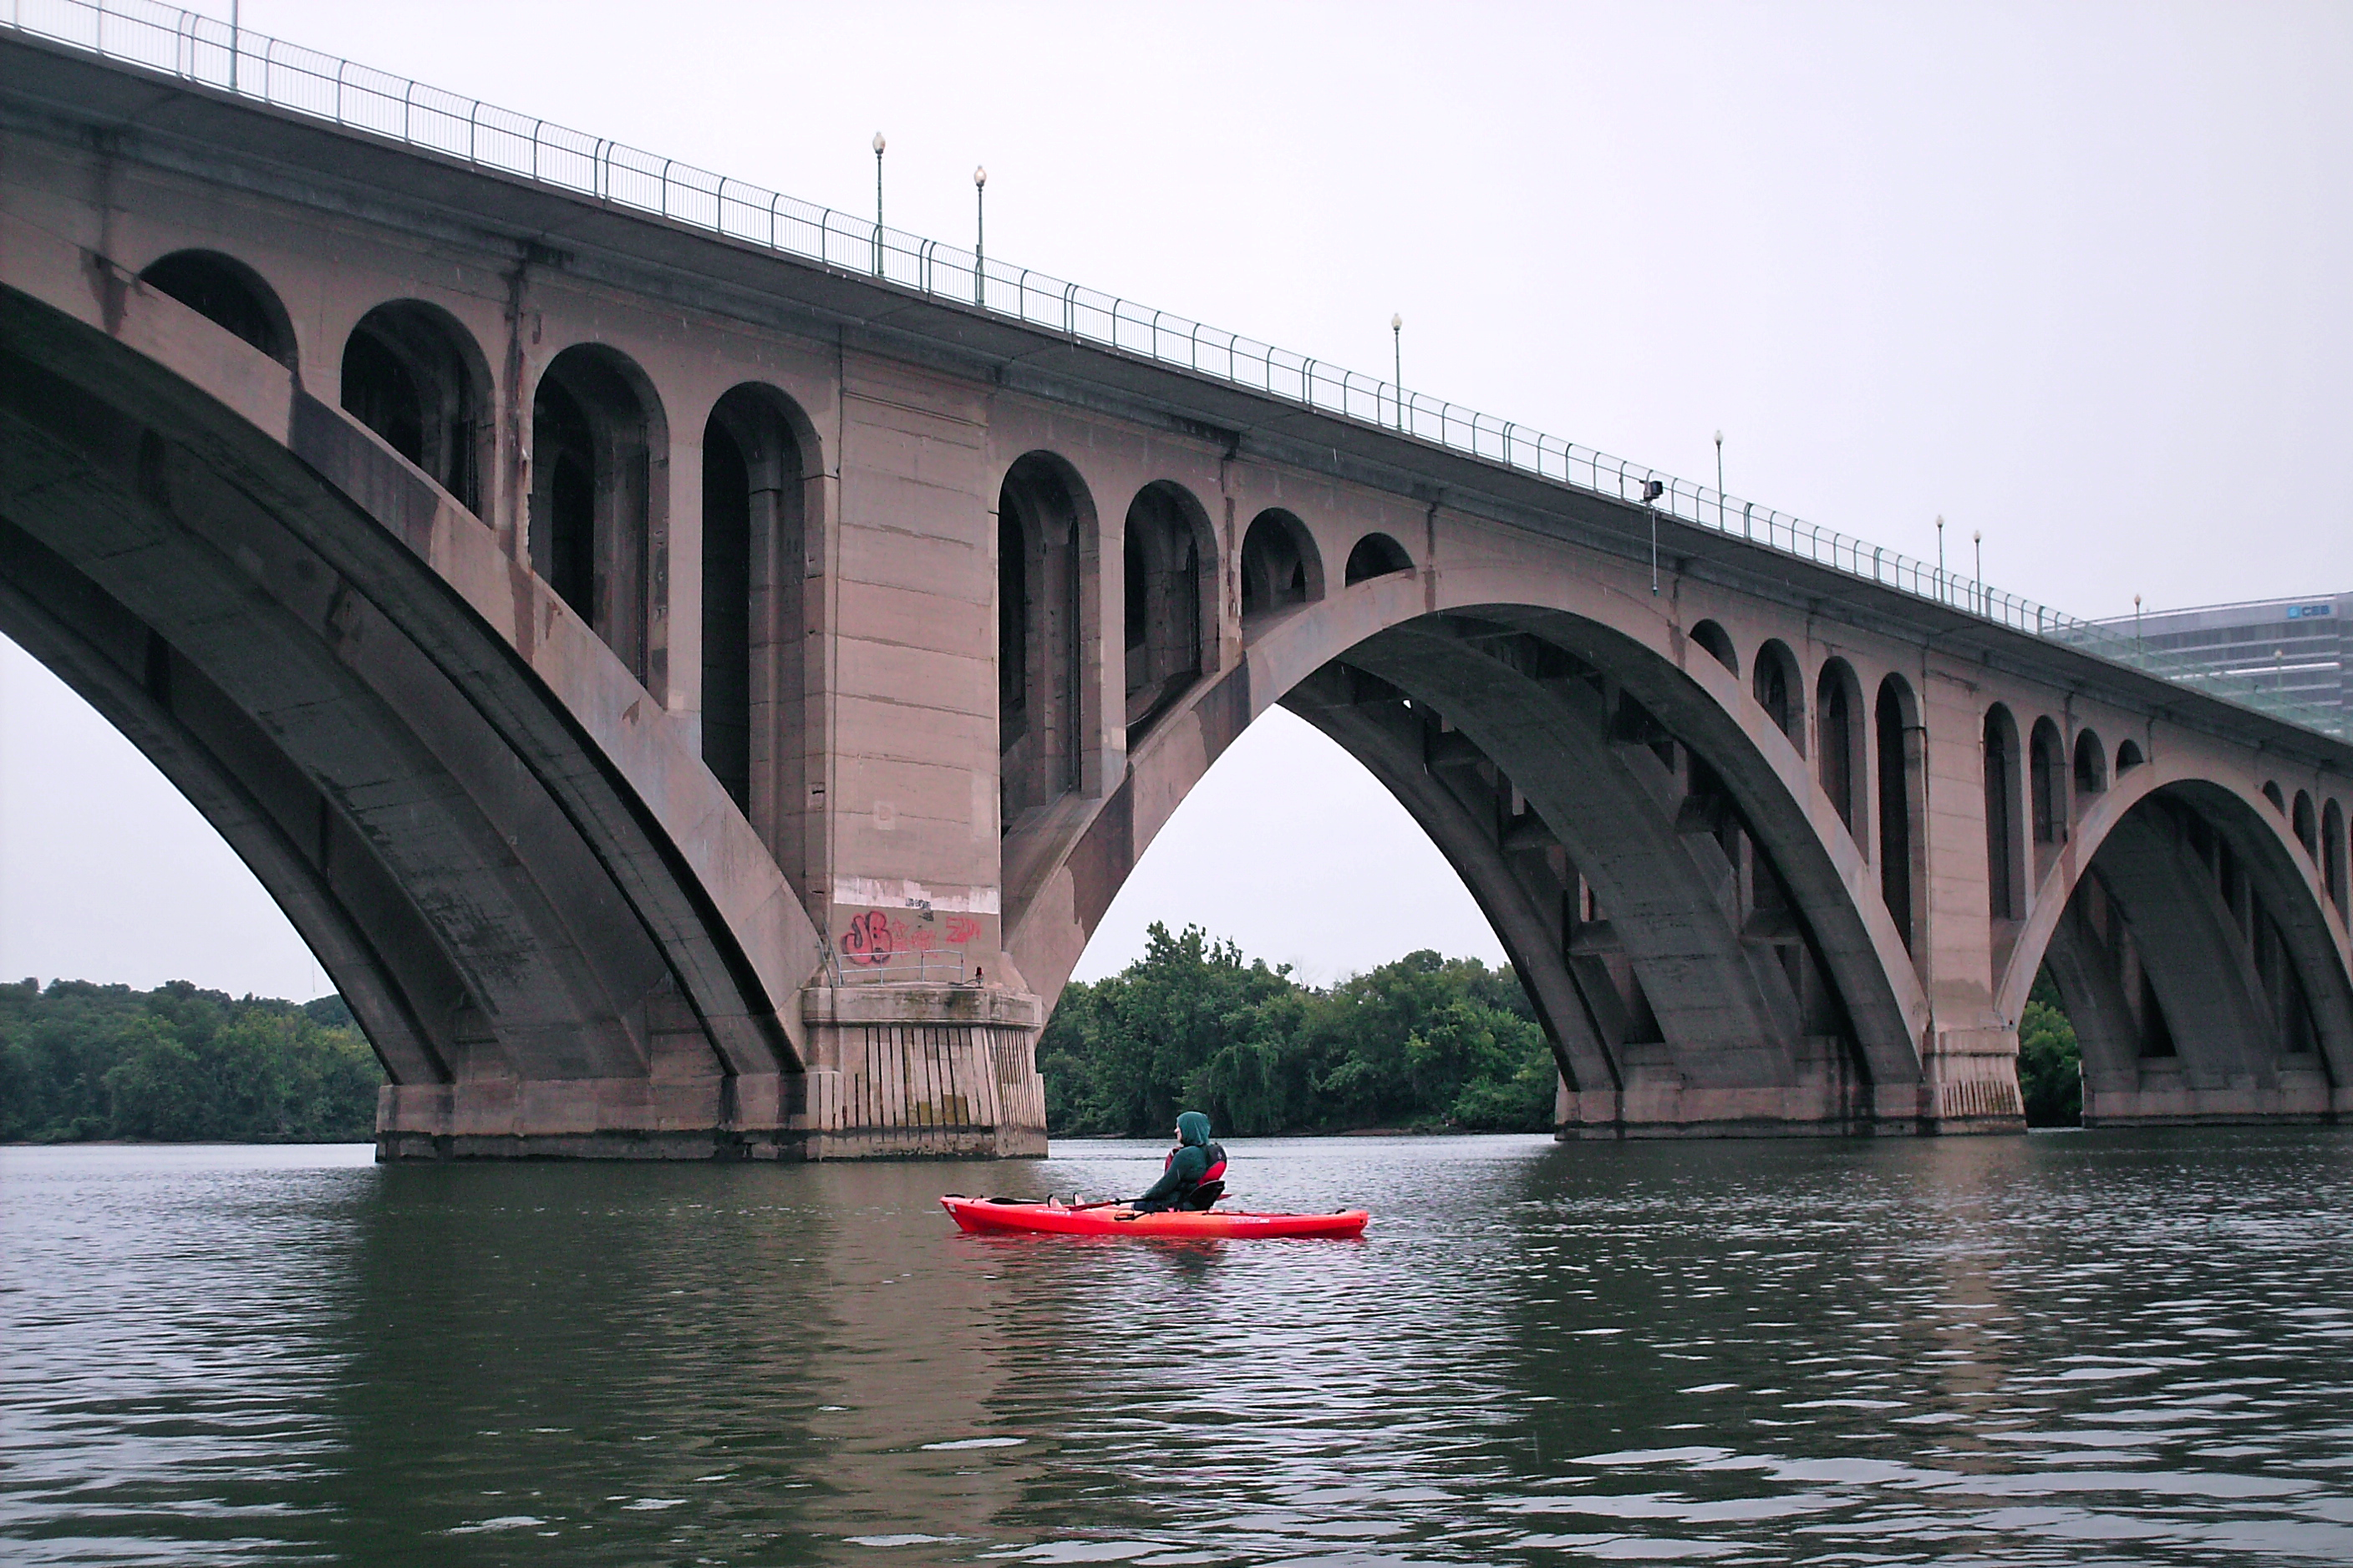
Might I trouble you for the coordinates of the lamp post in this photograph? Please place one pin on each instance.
(1397, 346)
(1977, 537)
(980, 237)
(2136, 625)
(1940, 557)
(878, 203)
(1719, 480)
(1652, 491)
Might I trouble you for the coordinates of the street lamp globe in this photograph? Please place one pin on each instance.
(980, 177)
(878, 143)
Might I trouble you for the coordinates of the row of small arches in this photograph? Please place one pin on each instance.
(2023, 835)
(1168, 640)
(596, 513)
(2322, 833)
(596, 524)
(1864, 773)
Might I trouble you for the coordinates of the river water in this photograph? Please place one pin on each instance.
(2076, 1348)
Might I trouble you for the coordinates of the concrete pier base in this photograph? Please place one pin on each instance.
(2165, 1091)
(897, 1072)
(908, 1071)
(1973, 1083)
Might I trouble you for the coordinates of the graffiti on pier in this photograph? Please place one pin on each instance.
(874, 937)
(882, 922)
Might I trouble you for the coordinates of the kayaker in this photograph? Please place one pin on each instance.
(1194, 1176)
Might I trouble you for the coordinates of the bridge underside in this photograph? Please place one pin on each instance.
(2182, 962)
(1681, 978)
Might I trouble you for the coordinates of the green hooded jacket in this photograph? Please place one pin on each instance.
(1186, 1165)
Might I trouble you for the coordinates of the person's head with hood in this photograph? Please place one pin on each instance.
(1193, 1128)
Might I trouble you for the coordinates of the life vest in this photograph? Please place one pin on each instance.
(1217, 1171)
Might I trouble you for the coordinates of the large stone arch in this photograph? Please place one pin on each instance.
(392, 723)
(1675, 745)
(2195, 947)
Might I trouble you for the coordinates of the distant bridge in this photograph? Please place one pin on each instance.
(696, 668)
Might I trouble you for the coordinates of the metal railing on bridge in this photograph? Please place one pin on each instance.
(208, 51)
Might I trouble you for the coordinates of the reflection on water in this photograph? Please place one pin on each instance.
(2094, 1347)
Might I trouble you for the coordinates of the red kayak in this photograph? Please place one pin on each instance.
(982, 1215)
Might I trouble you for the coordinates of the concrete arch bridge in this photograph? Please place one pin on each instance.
(698, 700)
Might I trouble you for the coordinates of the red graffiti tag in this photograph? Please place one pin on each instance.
(868, 939)
(962, 929)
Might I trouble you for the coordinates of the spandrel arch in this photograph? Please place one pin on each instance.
(1047, 552)
(1839, 743)
(599, 498)
(1900, 744)
(1279, 565)
(1717, 643)
(760, 462)
(1170, 620)
(1779, 688)
(414, 376)
(231, 295)
(1375, 556)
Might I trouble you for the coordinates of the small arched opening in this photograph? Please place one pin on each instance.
(1168, 562)
(2332, 853)
(2129, 757)
(1718, 644)
(1900, 745)
(416, 377)
(597, 461)
(755, 469)
(2306, 824)
(2272, 793)
(1839, 743)
(1279, 565)
(2091, 764)
(2005, 857)
(1375, 556)
(1045, 528)
(229, 294)
(1780, 690)
(2046, 779)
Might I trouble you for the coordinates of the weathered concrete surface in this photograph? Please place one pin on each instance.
(719, 733)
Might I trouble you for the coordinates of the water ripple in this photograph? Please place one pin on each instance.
(2085, 1349)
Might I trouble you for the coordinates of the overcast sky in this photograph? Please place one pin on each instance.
(2076, 276)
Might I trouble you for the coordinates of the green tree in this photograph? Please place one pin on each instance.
(1422, 1041)
(160, 1088)
(80, 1061)
(2049, 1062)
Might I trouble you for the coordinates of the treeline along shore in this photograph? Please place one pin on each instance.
(1424, 1042)
(81, 1062)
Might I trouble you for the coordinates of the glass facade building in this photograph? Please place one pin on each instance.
(2291, 647)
